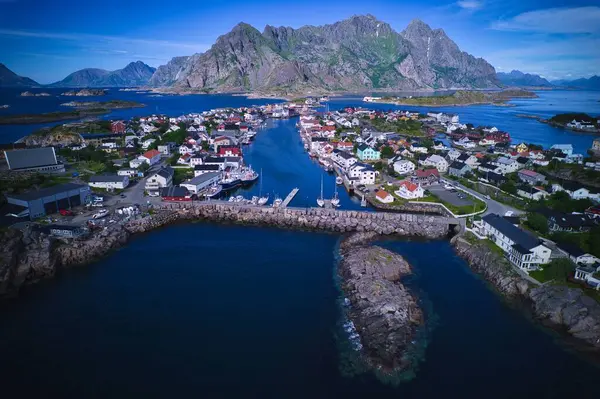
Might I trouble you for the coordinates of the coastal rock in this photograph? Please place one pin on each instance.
(53, 137)
(32, 94)
(564, 307)
(385, 314)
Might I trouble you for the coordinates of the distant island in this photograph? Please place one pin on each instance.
(113, 104)
(461, 97)
(86, 110)
(578, 122)
(85, 93)
(31, 94)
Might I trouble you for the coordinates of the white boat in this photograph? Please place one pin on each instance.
(320, 200)
(277, 202)
(239, 198)
(335, 201)
(339, 180)
(254, 200)
(363, 202)
(213, 191)
(231, 199)
(263, 200)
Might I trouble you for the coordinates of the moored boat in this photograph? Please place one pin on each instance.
(339, 181)
(213, 191)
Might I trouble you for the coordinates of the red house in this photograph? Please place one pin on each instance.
(175, 193)
(229, 151)
(117, 127)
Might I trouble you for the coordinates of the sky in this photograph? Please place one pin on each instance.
(544, 37)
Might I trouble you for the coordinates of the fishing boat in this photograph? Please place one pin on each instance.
(363, 202)
(254, 200)
(230, 181)
(277, 202)
(339, 181)
(239, 199)
(213, 191)
(321, 200)
(248, 176)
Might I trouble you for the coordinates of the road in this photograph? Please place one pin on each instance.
(493, 206)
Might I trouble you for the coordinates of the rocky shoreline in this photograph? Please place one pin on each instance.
(563, 308)
(385, 314)
(30, 256)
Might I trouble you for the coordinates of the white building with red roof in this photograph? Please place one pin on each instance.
(409, 190)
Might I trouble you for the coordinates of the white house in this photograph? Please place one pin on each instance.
(360, 173)
(109, 182)
(151, 157)
(436, 161)
(196, 160)
(409, 190)
(161, 179)
(343, 159)
(577, 255)
(186, 149)
(523, 249)
(404, 167)
(127, 172)
(566, 149)
(384, 196)
(200, 182)
(147, 143)
(416, 147)
(453, 154)
(506, 165)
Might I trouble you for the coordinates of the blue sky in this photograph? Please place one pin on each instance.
(61, 36)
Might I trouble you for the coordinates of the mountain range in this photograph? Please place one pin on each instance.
(10, 79)
(134, 74)
(359, 53)
(592, 83)
(520, 79)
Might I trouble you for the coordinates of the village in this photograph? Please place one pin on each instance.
(539, 206)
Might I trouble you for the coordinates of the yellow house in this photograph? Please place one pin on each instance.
(522, 147)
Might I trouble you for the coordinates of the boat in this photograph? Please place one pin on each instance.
(363, 202)
(324, 99)
(248, 176)
(254, 200)
(320, 200)
(335, 201)
(213, 191)
(262, 200)
(339, 180)
(277, 202)
(231, 199)
(230, 181)
(239, 198)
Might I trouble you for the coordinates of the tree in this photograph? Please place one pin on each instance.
(428, 143)
(538, 222)
(387, 151)
(144, 167)
(559, 269)
(509, 187)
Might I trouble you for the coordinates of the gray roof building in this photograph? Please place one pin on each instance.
(31, 158)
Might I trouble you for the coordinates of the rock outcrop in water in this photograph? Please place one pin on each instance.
(567, 308)
(385, 314)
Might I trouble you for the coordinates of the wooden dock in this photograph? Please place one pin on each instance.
(289, 198)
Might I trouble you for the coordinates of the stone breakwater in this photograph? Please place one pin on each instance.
(563, 307)
(430, 226)
(29, 256)
(385, 314)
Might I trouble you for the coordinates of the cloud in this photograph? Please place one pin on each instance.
(554, 20)
(96, 39)
(469, 4)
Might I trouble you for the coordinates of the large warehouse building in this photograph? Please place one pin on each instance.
(52, 199)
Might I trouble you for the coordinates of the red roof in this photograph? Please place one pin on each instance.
(328, 128)
(232, 149)
(528, 172)
(151, 154)
(382, 194)
(410, 186)
(428, 172)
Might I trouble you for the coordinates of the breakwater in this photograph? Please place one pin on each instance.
(29, 256)
(565, 308)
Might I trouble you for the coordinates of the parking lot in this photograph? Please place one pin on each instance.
(450, 196)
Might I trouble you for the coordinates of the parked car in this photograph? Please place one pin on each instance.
(123, 196)
(100, 214)
(97, 205)
(65, 212)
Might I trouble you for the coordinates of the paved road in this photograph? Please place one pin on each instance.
(493, 206)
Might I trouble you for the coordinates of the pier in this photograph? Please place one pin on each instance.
(289, 197)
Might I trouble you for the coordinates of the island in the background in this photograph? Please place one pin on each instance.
(82, 110)
(32, 94)
(578, 122)
(461, 97)
(85, 93)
